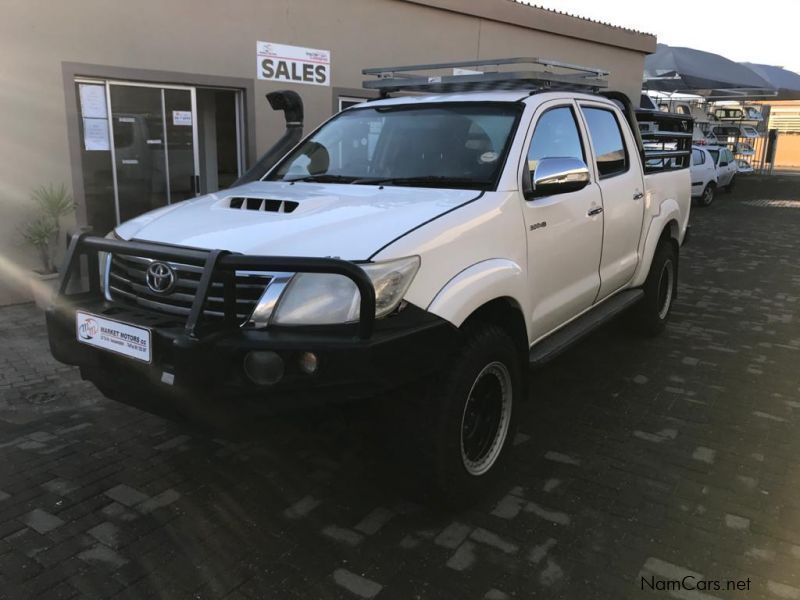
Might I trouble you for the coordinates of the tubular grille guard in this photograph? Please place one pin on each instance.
(214, 262)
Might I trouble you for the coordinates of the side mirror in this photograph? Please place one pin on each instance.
(558, 176)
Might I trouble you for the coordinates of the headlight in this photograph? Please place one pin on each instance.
(324, 299)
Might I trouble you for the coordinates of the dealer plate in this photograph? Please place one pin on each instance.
(114, 336)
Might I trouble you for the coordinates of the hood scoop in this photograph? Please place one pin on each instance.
(262, 204)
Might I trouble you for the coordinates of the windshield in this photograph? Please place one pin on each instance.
(438, 145)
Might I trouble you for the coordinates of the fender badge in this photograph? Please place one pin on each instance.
(536, 226)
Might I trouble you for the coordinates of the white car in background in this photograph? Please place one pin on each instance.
(704, 176)
(713, 168)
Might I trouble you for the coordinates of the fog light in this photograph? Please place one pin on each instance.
(263, 368)
(309, 362)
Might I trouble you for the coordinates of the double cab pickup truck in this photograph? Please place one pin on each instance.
(425, 248)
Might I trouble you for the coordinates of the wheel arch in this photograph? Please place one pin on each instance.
(506, 313)
(496, 282)
(666, 228)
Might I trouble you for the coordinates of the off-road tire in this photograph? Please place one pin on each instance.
(463, 461)
(649, 317)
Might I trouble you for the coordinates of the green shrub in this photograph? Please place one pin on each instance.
(43, 230)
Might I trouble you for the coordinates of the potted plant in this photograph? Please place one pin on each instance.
(42, 232)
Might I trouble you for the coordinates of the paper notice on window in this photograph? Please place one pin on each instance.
(182, 117)
(93, 101)
(95, 134)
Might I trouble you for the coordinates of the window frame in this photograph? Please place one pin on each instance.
(571, 109)
(342, 98)
(519, 110)
(524, 170)
(613, 110)
(702, 157)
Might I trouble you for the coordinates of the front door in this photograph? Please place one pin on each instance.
(620, 179)
(727, 167)
(565, 231)
(154, 150)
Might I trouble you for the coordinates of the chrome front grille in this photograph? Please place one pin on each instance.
(127, 283)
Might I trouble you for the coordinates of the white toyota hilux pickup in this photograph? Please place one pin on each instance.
(431, 246)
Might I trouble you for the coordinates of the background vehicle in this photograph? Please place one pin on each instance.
(748, 131)
(738, 113)
(743, 166)
(726, 166)
(479, 233)
(703, 133)
(704, 176)
(726, 133)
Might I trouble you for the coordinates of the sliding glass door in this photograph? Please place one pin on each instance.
(144, 145)
(154, 149)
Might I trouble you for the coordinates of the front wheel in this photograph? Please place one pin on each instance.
(650, 316)
(473, 425)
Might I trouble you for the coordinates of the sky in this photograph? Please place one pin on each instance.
(760, 32)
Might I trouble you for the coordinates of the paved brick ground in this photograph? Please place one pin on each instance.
(658, 458)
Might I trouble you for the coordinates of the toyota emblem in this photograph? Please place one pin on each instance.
(161, 277)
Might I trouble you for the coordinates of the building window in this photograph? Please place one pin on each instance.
(346, 102)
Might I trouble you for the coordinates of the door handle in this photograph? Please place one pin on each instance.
(595, 211)
(638, 196)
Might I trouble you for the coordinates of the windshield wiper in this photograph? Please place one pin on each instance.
(427, 180)
(422, 180)
(323, 178)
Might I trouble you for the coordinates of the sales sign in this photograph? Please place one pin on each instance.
(279, 62)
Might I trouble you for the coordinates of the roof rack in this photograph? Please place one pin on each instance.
(472, 75)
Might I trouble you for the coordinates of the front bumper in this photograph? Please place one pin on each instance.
(210, 368)
(201, 368)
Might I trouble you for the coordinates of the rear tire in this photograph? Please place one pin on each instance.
(707, 197)
(468, 432)
(729, 187)
(650, 316)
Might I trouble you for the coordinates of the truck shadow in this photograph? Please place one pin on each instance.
(352, 449)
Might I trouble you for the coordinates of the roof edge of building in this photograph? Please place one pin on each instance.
(529, 16)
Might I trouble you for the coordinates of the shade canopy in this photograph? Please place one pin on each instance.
(673, 68)
(786, 82)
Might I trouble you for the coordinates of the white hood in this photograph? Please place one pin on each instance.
(346, 221)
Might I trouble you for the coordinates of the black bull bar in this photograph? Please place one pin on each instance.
(219, 263)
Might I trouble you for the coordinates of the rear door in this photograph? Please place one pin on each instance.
(699, 171)
(619, 174)
(565, 231)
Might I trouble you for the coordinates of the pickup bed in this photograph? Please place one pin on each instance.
(423, 250)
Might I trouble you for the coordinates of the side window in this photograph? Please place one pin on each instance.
(698, 157)
(609, 148)
(556, 136)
